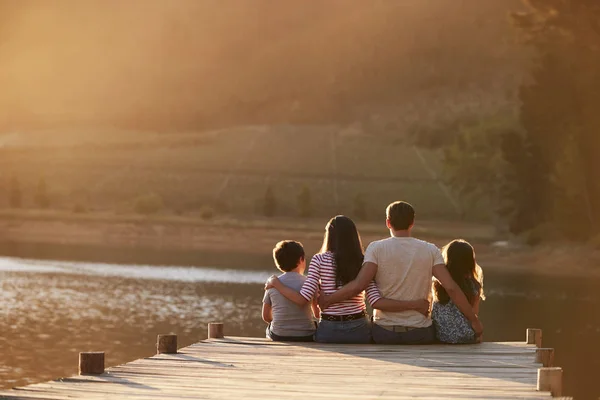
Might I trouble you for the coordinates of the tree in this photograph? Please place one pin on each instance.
(305, 202)
(14, 193)
(147, 204)
(559, 116)
(473, 163)
(270, 203)
(41, 196)
(360, 207)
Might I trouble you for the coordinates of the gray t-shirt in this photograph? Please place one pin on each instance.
(289, 319)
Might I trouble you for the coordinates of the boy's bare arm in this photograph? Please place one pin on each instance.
(315, 308)
(351, 289)
(267, 313)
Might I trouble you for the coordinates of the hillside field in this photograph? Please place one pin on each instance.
(226, 170)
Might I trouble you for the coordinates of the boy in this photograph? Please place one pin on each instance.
(287, 321)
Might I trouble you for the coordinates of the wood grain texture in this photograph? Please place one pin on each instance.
(166, 344)
(255, 368)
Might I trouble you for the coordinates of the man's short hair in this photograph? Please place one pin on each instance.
(287, 254)
(401, 215)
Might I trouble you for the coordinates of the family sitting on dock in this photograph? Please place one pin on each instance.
(396, 275)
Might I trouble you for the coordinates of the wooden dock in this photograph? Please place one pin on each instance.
(256, 368)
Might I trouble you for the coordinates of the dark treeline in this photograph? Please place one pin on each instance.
(556, 161)
(191, 64)
(541, 169)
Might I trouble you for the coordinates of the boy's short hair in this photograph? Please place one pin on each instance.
(287, 254)
(401, 215)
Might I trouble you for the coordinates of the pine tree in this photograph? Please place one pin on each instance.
(270, 202)
(42, 199)
(305, 202)
(360, 207)
(559, 113)
(14, 193)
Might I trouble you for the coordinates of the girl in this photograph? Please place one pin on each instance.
(451, 325)
(338, 263)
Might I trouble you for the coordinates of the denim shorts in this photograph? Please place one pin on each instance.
(355, 331)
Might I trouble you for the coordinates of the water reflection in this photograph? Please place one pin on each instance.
(170, 273)
(53, 310)
(50, 316)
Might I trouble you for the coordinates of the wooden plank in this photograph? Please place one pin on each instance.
(235, 367)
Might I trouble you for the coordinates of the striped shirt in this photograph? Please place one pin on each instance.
(321, 274)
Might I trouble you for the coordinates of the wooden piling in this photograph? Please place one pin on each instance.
(215, 330)
(545, 357)
(91, 363)
(550, 380)
(534, 336)
(166, 344)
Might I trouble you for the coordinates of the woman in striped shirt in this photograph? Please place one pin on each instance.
(338, 263)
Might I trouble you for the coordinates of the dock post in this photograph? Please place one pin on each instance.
(215, 330)
(550, 380)
(166, 344)
(91, 363)
(545, 357)
(534, 336)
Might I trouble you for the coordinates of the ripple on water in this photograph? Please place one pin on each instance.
(163, 273)
(51, 312)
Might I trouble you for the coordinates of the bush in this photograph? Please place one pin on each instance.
(14, 193)
(270, 203)
(207, 213)
(595, 242)
(79, 208)
(148, 204)
(543, 233)
(41, 196)
(305, 203)
(360, 207)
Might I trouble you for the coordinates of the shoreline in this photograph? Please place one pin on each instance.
(229, 243)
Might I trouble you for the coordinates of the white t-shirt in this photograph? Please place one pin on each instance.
(404, 272)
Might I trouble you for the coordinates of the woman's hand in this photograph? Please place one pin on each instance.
(323, 301)
(422, 306)
(272, 282)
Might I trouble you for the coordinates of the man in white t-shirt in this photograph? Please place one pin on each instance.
(402, 267)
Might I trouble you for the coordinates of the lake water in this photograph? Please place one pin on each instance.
(50, 311)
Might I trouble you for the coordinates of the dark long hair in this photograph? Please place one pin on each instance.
(460, 261)
(343, 240)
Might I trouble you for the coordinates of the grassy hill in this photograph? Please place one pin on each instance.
(227, 170)
(110, 103)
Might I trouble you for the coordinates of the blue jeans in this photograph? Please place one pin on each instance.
(413, 336)
(356, 331)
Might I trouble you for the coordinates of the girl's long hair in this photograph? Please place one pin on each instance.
(460, 261)
(343, 240)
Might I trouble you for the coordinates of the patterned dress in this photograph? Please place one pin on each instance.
(450, 324)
